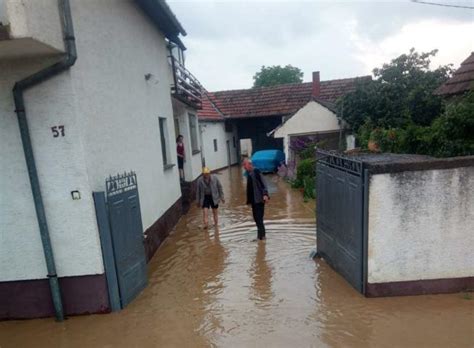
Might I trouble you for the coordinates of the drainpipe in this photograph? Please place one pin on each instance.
(18, 90)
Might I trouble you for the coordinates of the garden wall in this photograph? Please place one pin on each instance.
(420, 227)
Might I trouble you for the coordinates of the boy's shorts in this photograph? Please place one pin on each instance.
(209, 203)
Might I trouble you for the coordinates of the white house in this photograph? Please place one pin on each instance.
(317, 119)
(220, 142)
(107, 112)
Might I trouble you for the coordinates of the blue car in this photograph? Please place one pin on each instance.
(268, 161)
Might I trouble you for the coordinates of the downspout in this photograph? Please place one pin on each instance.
(18, 90)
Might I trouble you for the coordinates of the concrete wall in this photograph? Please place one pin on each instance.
(216, 130)
(421, 225)
(310, 119)
(35, 19)
(110, 116)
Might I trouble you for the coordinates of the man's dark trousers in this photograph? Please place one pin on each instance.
(258, 209)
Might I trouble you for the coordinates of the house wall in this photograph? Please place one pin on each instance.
(310, 119)
(119, 109)
(110, 116)
(193, 164)
(420, 226)
(216, 130)
(38, 20)
(61, 169)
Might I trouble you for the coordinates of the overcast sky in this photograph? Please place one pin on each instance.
(228, 41)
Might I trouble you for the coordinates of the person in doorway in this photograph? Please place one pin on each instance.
(209, 194)
(181, 156)
(257, 196)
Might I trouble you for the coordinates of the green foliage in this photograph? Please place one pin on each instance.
(401, 94)
(277, 75)
(305, 177)
(309, 187)
(398, 111)
(451, 134)
(306, 167)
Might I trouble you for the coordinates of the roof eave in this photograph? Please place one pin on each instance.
(164, 19)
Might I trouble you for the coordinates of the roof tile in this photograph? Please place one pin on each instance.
(461, 81)
(271, 101)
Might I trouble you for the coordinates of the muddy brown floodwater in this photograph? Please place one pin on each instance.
(209, 288)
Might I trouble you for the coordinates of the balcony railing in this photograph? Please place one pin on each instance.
(186, 87)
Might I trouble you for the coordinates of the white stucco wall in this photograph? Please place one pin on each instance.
(310, 119)
(36, 19)
(61, 169)
(192, 165)
(110, 114)
(421, 225)
(117, 46)
(216, 130)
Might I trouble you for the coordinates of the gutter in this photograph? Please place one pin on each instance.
(18, 90)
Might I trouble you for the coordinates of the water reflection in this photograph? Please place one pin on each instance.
(261, 274)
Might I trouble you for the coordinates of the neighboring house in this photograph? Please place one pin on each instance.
(256, 112)
(220, 147)
(461, 82)
(110, 112)
(317, 120)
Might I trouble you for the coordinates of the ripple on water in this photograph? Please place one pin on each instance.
(285, 229)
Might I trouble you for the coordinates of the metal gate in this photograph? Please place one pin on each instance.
(122, 238)
(340, 215)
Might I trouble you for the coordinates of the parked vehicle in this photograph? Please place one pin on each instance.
(268, 161)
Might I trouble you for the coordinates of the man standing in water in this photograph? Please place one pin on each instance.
(257, 196)
(209, 194)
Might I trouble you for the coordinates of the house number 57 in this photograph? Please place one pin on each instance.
(58, 131)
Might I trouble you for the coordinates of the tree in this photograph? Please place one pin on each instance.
(400, 94)
(277, 75)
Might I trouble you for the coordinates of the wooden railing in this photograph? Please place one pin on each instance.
(186, 87)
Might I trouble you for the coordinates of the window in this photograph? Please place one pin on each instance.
(165, 142)
(193, 129)
(215, 145)
(233, 141)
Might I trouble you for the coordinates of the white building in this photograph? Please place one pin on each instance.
(110, 112)
(220, 142)
(317, 119)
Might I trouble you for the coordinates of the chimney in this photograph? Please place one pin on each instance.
(316, 84)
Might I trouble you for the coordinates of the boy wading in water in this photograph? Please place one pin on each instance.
(257, 196)
(208, 195)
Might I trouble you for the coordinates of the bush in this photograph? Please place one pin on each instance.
(451, 134)
(305, 177)
(309, 187)
(306, 167)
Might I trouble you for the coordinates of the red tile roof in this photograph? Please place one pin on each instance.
(208, 111)
(271, 101)
(462, 80)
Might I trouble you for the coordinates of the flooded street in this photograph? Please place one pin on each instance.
(218, 288)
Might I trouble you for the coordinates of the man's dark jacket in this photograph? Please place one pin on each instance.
(258, 185)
